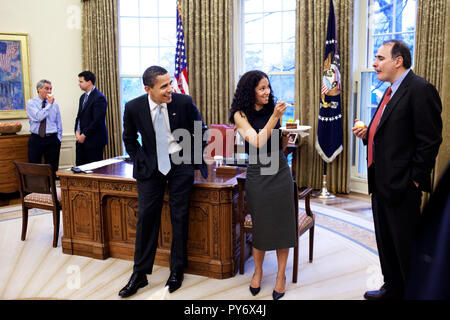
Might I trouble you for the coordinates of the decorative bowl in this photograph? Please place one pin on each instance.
(10, 128)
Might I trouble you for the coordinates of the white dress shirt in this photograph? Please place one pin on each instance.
(51, 112)
(396, 85)
(173, 145)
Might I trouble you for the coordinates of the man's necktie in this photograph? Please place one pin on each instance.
(43, 125)
(162, 144)
(375, 123)
(86, 96)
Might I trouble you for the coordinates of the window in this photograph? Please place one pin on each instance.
(147, 36)
(379, 21)
(268, 44)
(391, 19)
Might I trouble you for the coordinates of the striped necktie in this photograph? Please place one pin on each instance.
(86, 96)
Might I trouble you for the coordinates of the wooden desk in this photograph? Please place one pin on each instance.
(12, 148)
(100, 213)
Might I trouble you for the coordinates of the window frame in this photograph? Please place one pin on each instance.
(138, 76)
(139, 17)
(238, 25)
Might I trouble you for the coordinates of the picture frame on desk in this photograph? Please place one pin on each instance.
(292, 139)
(14, 75)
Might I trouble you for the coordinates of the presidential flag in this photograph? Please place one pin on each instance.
(181, 77)
(329, 130)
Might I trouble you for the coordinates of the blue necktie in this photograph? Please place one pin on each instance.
(86, 96)
(162, 145)
(85, 99)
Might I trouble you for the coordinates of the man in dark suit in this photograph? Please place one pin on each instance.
(403, 141)
(156, 116)
(90, 127)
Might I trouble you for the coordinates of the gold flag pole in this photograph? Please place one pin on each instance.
(324, 194)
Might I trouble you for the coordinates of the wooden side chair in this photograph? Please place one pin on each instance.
(245, 220)
(38, 190)
(304, 220)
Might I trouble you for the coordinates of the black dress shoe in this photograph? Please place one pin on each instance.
(277, 295)
(382, 294)
(175, 280)
(137, 280)
(254, 291)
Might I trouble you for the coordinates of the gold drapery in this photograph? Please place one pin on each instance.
(100, 55)
(311, 28)
(432, 61)
(207, 33)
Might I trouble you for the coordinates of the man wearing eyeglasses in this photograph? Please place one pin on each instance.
(403, 141)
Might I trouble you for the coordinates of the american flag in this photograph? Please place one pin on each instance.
(8, 51)
(181, 77)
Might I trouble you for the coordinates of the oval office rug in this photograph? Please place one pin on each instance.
(345, 265)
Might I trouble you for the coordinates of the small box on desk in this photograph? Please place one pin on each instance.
(226, 170)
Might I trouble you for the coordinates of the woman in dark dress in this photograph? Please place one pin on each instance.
(269, 184)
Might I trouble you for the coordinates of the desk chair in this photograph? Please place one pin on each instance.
(226, 147)
(38, 190)
(304, 220)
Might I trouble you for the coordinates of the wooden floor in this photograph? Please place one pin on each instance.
(356, 203)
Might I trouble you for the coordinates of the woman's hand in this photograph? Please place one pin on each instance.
(279, 109)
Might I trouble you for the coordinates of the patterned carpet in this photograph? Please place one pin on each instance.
(345, 265)
(333, 220)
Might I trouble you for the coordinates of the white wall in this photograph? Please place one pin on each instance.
(54, 35)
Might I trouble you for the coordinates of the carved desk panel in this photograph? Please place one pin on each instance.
(100, 213)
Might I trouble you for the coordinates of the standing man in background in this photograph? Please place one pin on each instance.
(403, 141)
(45, 126)
(90, 127)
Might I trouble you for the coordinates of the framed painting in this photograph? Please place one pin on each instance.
(15, 87)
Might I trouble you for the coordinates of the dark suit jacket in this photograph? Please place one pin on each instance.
(137, 118)
(430, 276)
(92, 120)
(407, 140)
